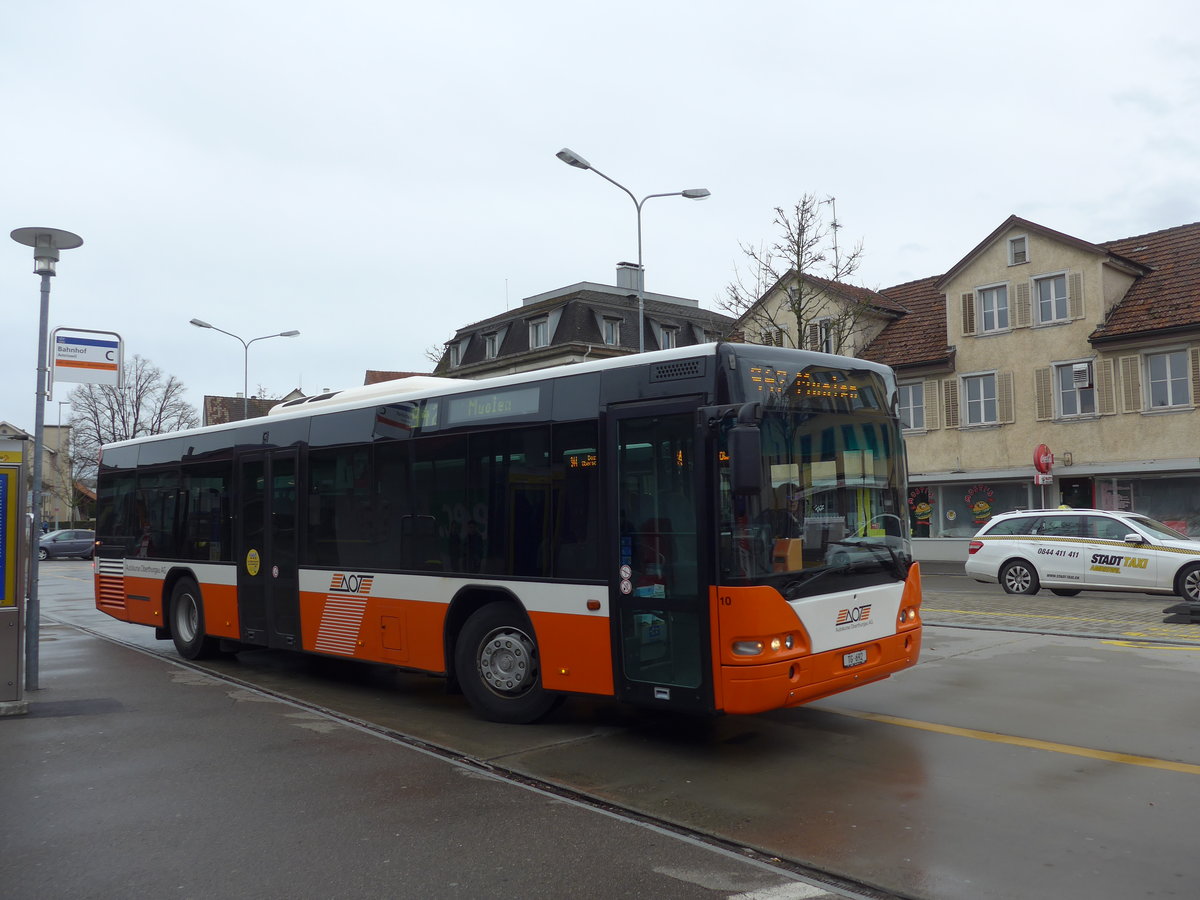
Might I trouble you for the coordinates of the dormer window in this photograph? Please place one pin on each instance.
(491, 345)
(1018, 251)
(612, 332)
(452, 351)
(539, 333)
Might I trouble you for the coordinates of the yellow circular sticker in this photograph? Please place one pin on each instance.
(252, 562)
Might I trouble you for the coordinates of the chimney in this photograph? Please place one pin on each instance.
(631, 276)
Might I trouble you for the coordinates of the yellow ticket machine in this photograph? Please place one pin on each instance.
(13, 538)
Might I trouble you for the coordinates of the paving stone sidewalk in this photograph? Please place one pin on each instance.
(1133, 617)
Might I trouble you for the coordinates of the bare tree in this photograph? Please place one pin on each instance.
(149, 403)
(795, 292)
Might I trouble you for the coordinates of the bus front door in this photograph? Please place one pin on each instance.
(268, 583)
(659, 599)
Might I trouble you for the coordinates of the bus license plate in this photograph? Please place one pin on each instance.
(857, 658)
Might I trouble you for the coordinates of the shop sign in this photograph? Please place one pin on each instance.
(1043, 459)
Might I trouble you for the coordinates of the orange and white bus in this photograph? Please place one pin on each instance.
(719, 528)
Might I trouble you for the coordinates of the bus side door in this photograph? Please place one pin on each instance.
(268, 581)
(658, 594)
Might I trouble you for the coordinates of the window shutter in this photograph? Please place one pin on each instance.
(968, 313)
(779, 334)
(814, 336)
(1022, 312)
(1131, 384)
(1004, 397)
(1194, 356)
(1075, 295)
(1106, 401)
(950, 402)
(1042, 381)
(932, 419)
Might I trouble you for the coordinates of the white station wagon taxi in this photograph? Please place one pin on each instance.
(1073, 550)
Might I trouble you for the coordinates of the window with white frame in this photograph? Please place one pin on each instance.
(539, 333)
(1051, 294)
(612, 332)
(670, 337)
(993, 307)
(912, 406)
(1018, 250)
(1167, 379)
(453, 353)
(827, 332)
(1075, 389)
(979, 399)
(491, 345)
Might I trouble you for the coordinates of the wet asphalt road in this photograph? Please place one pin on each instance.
(1043, 748)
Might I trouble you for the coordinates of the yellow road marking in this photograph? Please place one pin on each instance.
(1128, 759)
(1151, 645)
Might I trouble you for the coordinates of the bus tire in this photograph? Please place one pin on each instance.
(1187, 583)
(186, 618)
(1019, 577)
(496, 661)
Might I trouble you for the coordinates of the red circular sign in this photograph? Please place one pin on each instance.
(1043, 459)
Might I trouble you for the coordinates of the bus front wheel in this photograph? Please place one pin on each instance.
(187, 622)
(496, 661)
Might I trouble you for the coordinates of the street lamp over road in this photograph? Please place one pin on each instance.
(46, 242)
(200, 323)
(574, 159)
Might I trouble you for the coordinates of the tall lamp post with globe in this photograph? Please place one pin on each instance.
(46, 243)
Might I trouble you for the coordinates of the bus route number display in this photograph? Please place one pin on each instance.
(826, 385)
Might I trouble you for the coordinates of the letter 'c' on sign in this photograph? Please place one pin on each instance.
(1043, 459)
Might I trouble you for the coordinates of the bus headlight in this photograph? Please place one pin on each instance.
(747, 648)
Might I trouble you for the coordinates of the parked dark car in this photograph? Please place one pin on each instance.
(68, 542)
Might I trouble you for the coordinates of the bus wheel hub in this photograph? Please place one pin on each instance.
(505, 661)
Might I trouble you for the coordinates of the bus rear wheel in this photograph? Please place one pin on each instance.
(187, 622)
(496, 661)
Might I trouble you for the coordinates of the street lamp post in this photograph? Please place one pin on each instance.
(200, 323)
(574, 159)
(46, 242)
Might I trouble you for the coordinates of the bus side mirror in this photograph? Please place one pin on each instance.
(745, 452)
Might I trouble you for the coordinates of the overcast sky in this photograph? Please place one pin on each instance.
(377, 174)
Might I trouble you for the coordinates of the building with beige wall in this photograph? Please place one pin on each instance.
(1034, 338)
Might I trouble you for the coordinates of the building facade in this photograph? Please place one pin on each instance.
(1040, 350)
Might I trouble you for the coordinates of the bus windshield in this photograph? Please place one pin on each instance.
(830, 502)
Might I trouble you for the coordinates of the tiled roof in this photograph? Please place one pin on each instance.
(375, 376)
(919, 337)
(1168, 297)
(857, 294)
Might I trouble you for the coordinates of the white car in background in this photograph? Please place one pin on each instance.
(1073, 550)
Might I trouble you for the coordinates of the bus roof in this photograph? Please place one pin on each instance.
(419, 387)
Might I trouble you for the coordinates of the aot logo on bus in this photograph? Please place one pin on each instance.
(351, 584)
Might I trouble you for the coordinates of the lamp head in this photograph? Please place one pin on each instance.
(46, 242)
(573, 159)
(288, 333)
(200, 323)
(696, 193)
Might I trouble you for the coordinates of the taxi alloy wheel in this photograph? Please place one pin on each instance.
(1019, 577)
(1187, 583)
